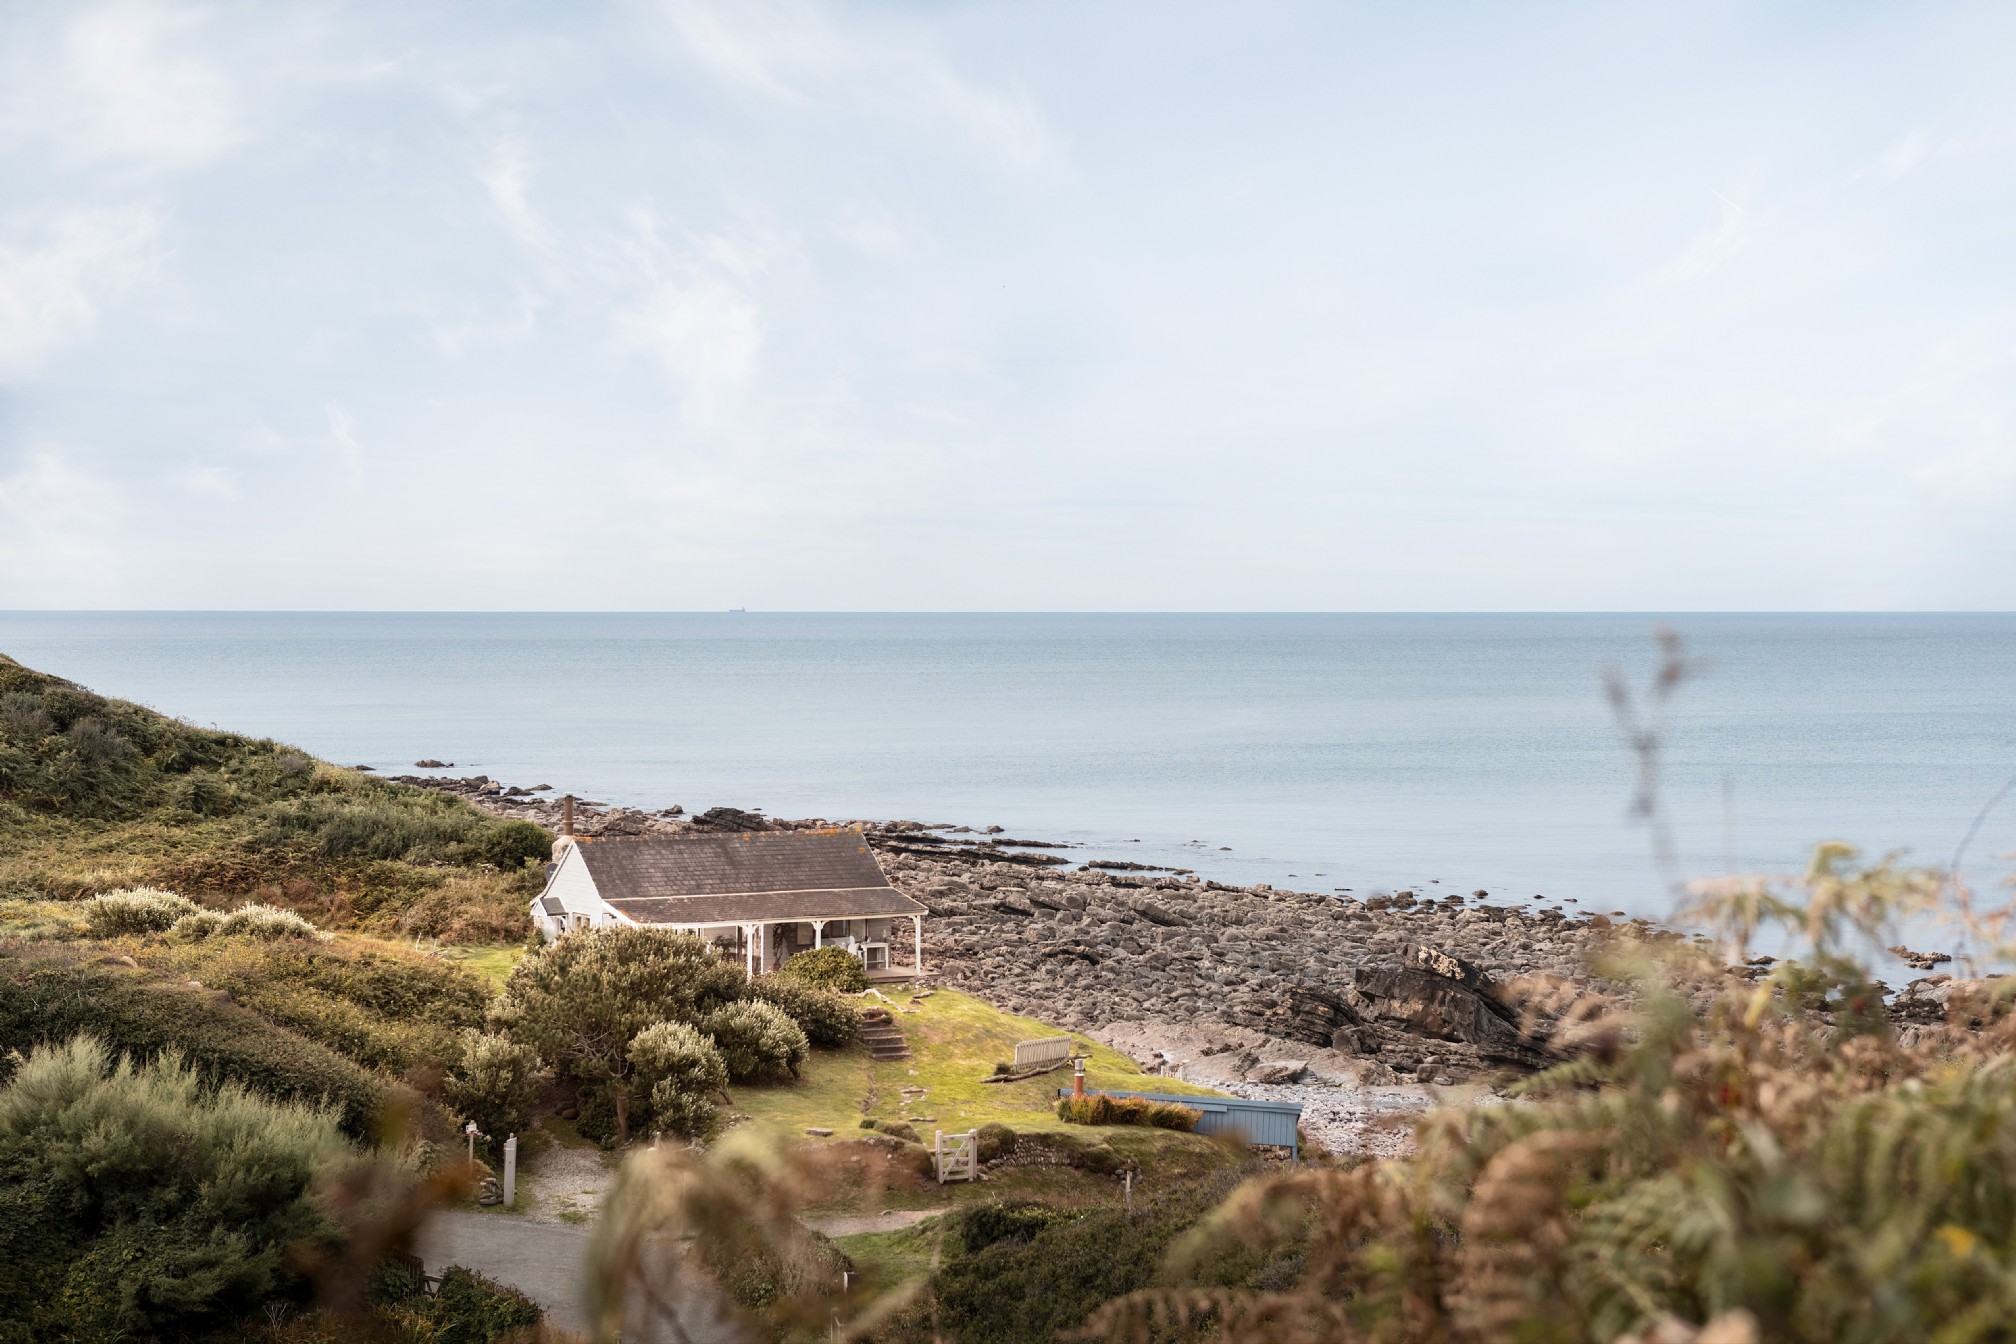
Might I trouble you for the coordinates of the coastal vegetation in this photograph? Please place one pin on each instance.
(226, 1057)
(99, 795)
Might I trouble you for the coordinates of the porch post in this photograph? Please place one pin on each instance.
(917, 955)
(818, 934)
(749, 949)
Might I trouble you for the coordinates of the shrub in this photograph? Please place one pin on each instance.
(135, 910)
(253, 920)
(827, 1020)
(582, 1000)
(381, 820)
(202, 792)
(138, 1201)
(23, 719)
(996, 1141)
(509, 844)
(53, 1000)
(196, 927)
(1035, 1273)
(678, 1072)
(1097, 1108)
(493, 1084)
(996, 1222)
(832, 968)
(467, 1308)
(757, 1040)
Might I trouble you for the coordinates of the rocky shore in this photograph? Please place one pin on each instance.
(1223, 983)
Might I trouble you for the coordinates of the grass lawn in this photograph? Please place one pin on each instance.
(955, 1040)
(492, 961)
(887, 1259)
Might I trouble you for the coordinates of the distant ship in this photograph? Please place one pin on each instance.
(738, 611)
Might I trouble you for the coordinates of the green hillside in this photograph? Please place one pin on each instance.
(99, 794)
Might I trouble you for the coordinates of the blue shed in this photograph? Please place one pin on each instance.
(1273, 1123)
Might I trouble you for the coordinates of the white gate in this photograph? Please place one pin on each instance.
(956, 1157)
(1028, 1054)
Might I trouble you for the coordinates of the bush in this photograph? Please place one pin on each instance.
(1033, 1274)
(135, 910)
(580, 1002)
(827, 1020)
(994, 1223)
(756, 1040)
(832, 968)
(678, 1072)
(53, 1000)
(509, 844)
(1097, 1108)
(996, 1141)
(467, 1308)
(380, 820)
(138, 1201)
(253, 920)
(195, 928)
(493, 1084)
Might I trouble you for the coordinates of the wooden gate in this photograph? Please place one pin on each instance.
(1029, 1054)
(956, 1157)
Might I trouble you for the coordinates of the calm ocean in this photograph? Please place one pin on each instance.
(1320, 751)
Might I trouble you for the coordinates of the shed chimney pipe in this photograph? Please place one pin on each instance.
(567, 815)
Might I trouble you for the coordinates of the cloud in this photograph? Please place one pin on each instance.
(1709, 249)
(61, 535)
(128, 91)
(342, 430)
(53, 289)
(1982, 473)
(506, 176)
(791, 52)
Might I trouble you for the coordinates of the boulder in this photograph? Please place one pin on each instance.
(1315, 1015)
(730, 819)
(1156, 914)
(1465, 973)
(1278, 1071)
(1436, 1006)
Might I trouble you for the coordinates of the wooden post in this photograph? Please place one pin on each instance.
(1127, 1184)
(972, 1154)
(818, 934)
(917, 952)
(749, 949)
(511, 1172)
(938, 1153)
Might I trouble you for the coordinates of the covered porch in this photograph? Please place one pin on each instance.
(889, 948)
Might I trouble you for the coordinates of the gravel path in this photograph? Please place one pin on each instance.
(854, 1225)
(541, 1260)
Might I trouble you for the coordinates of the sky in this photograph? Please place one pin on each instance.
(672, 305)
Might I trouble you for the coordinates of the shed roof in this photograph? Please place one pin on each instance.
(732, 878)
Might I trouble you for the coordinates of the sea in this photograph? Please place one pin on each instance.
(1360, 753)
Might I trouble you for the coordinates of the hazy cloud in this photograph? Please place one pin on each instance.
(798, 303)
(56, 275)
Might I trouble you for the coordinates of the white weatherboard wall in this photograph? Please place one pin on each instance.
(575, 889)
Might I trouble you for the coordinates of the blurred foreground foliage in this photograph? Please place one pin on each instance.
(1726, 1159)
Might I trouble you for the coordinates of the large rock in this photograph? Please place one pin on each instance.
(1316, 1016)
(1431, 1005)
(729, 819)
(1465, 973)
(1277, 1071)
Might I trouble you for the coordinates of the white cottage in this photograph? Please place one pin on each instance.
(759, 895)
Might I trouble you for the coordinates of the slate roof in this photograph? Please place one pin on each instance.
(746, 878)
